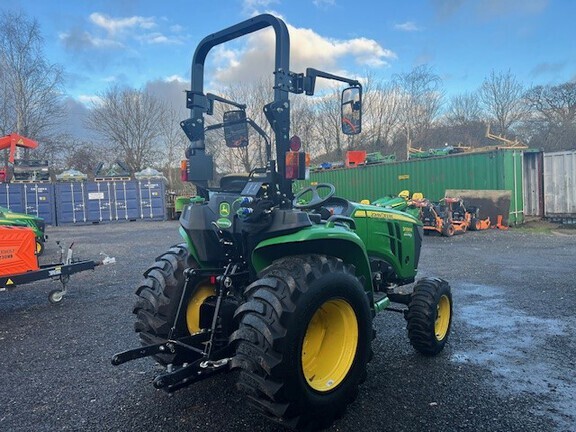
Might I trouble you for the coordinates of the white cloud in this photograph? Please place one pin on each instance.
(176, 78)
(252, 5)
(81, 40)
(324, 3)
(408, 26)
(159, 38)
(307, 49)
(114, 25)
(90, 100)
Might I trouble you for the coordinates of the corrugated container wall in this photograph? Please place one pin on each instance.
(152, 204)
(494, 170)
(72, 201)
(31, 198)
(560, 184)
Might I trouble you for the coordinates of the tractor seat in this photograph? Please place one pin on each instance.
(233, 183)
(417, 196)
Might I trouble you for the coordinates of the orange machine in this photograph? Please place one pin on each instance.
(14, 140)
(476, 222)
(17, 250)
(456, 215)
(448, 217)
(355, 158)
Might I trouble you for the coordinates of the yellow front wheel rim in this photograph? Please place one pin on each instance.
(193, 308)
(442, 318)
(329, 346)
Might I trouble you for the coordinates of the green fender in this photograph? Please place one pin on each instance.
(191, 248)
(325, 239)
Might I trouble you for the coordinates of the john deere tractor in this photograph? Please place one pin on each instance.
(281, 287)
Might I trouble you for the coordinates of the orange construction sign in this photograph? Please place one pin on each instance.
(14, 140)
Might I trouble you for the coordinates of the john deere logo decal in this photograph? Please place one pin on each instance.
(224, 209)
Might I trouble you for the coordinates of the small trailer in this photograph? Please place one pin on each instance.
(19, 263)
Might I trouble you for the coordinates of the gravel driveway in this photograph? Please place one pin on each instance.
(509, 365)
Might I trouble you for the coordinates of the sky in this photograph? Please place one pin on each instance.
(149, 42)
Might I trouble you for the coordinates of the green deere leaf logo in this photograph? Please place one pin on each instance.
(224, 209)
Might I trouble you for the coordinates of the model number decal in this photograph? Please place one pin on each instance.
(56, 271)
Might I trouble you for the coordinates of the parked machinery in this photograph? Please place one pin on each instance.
(282, 287)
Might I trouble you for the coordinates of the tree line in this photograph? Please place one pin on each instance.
(410, 111)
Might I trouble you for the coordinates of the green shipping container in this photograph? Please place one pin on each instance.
(499, 169)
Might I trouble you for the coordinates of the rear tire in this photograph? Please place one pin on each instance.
(158, 298)
(429, 315)
(293, 369)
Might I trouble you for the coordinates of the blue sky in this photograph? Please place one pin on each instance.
(133, 42)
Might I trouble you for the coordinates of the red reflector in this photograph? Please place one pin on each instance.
(213, 280)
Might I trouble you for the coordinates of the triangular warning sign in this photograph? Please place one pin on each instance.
(9, 282)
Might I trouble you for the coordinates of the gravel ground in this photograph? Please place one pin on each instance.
(509, 365)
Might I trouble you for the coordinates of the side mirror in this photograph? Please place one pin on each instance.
(235, 129)
(351, 110)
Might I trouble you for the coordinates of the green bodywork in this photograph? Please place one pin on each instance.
(398, 203)
(380, 233)
(8, 217)
(180, 202)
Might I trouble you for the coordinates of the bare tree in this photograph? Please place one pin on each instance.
(502, 96)
(381, 113)
(31, 88)
(173, 143)
(327, 125)
(464, 109)
(553, 123)
(422, 93)
(81, 155)
(129, 120)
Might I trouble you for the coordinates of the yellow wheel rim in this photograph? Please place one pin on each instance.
(329, 346)
(442, 318)
(38, 247)
(193, 308)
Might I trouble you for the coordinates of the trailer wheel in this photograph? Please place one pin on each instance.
(304, 340)
(429, 315)
(55, 296)
(158, 299)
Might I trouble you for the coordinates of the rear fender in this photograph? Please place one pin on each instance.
(323, 239)
(191, 248)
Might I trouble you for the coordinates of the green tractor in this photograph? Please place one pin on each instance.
(8, 217)
(282, 288)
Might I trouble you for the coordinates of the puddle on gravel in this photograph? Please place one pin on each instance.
(515, 347)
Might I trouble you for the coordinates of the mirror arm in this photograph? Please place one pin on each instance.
(215, 98)
(312, 74)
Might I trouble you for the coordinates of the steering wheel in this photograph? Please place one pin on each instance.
(316, 200)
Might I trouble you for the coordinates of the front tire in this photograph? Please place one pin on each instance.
(429, 315)
(158, 299)
(304, 340)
